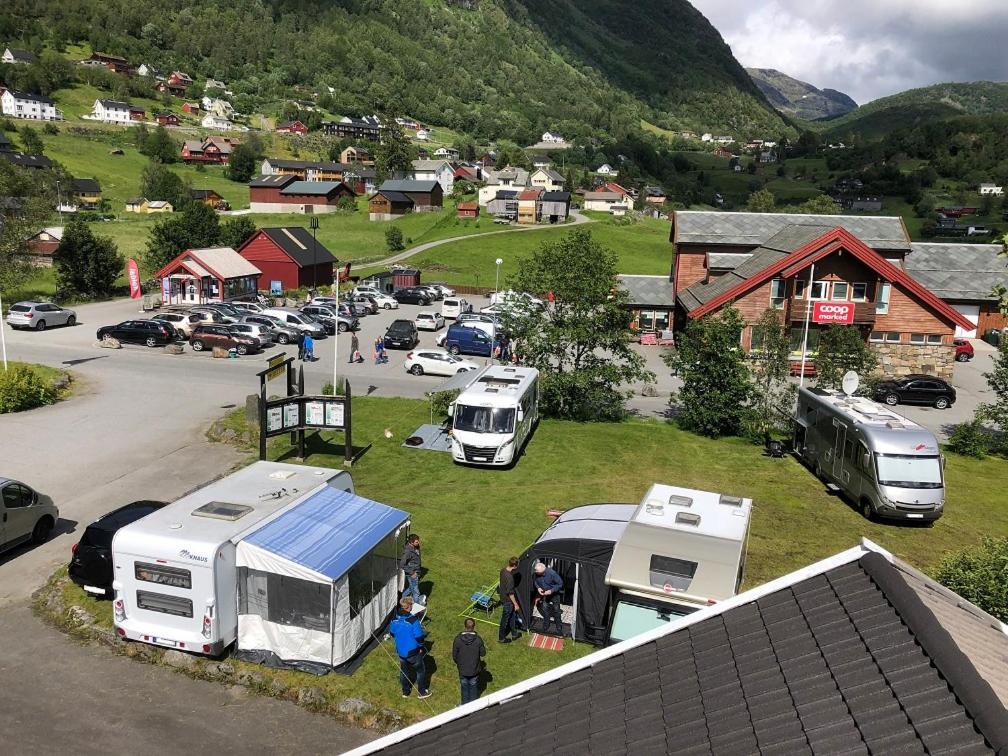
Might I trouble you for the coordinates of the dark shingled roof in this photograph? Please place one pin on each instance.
(845, 658)
(647, 290)
(31, 97)
(27, 161)
(958, 272)
(395, 197)
(554, 196)
(314, 188)
(88, 185)
(407, 185)
(272, 179)
(297, 242)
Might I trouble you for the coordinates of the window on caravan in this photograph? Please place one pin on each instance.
(908, 471)
(160, 602)
(175, 577)
(284, 600)
(676, 572)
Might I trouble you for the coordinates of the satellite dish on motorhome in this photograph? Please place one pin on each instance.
(850, 382)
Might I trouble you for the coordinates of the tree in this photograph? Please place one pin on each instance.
(995, 413)
(159, 146)
(243, 164)
(159, 183)
(773, 396)
(978, 575)
(31, 142)
(34, 206)
(821, 204)
(761, 201)
(716, 384)
(581, 342)
(85, 263)
(395, 153)
(394, 239)
(842, 348)
(234, 232)
(195, 227)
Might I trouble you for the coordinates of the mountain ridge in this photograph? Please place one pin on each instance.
(798, 98)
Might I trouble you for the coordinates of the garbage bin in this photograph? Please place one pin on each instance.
(993, 337)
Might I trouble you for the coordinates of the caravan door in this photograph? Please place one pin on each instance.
(838, 448)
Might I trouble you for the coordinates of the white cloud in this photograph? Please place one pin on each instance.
(867, 48)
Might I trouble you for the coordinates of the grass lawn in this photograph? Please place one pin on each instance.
(471, 519)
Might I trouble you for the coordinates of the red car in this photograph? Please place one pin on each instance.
(963, 350)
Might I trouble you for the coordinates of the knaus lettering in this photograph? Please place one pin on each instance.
(186, 554)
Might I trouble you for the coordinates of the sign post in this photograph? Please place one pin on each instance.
(808, 313)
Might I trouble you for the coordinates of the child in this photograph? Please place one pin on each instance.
(309, 348)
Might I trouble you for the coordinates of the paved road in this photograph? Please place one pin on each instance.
(60, 697)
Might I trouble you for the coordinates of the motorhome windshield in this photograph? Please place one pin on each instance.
(635, 616)
(908, 471)
(484, 419)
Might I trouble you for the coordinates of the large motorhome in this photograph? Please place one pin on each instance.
(681, 550)
(887, 465)
(495, 415)
(175, 577)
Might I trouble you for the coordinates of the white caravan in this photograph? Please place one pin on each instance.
(175, 578)
(681, 550)
(494, 416)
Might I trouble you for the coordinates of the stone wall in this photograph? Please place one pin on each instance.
(902, 359)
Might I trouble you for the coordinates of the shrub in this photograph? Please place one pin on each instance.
(970, 439)
(394, 239)
(22, 388)
(440, 401)
(978, 575)
(346, 205)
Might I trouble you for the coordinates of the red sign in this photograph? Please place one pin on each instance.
(133, 273)
(833, 312)
(345, 273)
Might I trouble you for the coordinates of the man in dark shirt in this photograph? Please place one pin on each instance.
(549, 585)
(509, 603)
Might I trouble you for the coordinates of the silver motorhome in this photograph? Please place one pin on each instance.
(887, 465)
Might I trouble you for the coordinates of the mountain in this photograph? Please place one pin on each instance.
(798, 98)
(917, 107)
(489, 68)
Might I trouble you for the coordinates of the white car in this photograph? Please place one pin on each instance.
(370, 291)
(446, 291)
(429, 321)
(518, 298)
(452, 307)
(385, 302)
(183, 323)
(39, 315)
(436, 362)
(265, 335)
(494, 309)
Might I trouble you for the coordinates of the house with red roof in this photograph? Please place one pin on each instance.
(198, 276)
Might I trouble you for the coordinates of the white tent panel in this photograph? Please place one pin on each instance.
(256, 558)
(349, 638)
(286, 641)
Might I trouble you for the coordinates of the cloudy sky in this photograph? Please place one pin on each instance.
(867, 48)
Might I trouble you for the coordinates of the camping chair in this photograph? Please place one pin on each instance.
(649, 338)
(484, 600)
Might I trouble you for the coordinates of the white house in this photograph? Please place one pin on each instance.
(603, 201)
(992, 189)
(25, 105)
(215, 84)
(548, 179)
(435, 170)
(145, 70)
(446, 153)
(706, 137)
(220, 108)
(551, 138)
(14, 55)
(508, 178)
(111, 111)
(606, 170)
(724, 139)
(211, 121)
(422, 135)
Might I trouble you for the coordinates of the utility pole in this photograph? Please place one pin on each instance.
(313, 223)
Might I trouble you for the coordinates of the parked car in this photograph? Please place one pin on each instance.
(351, 308)
(497, 310)
(402, 334)
(434, 291)
(39, 315)
(150, 332)
(91, 557)
(326, 315)
(299, 321)
(963, 350)
(208, 315)
(418, 296)
(917, 389)
(436, 362)
(225, 308)
(27, 514)
(248, 306)
(481, 317)
(490, 329)
(370, 291)
(385, 302)
(323, 299)
(263, 333)
(463, 340)
(446, 290)
(182, 323)
(209, 336)
(518, 299)
(429, 321)
(452, 307)
(282, 332)
(364, 300)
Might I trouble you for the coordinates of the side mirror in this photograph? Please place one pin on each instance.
(451, 410)
(521, 416)
(943, 461)
(866, 460)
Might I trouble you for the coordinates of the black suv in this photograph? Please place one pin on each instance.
(91, 563)
(150, 332)
(421, 297)
(917, 389)
(402, 334)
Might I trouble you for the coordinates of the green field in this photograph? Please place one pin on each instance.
(471, 520)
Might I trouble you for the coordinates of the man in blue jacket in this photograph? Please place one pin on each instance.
(549, 586)
(409, 637)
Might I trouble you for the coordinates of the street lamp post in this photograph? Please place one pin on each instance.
(496, 299)
(3, 336)
(313, 223)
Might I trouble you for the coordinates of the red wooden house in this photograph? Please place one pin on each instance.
(289, 255)
(167, 119)
(291, 127)
(192, 108)
(467, 210)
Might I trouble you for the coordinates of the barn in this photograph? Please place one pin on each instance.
(289, 255)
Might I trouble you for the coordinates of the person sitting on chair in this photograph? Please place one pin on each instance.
(549, 586)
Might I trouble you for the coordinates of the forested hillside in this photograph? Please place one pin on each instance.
(500, 69)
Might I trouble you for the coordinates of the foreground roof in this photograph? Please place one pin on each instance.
(648, 290)
(958, 271)
(753, 229)
(842, 656)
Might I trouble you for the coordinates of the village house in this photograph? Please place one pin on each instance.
(86, 193)
(487, 160)
(144, 206)
(992, 189)
(395, 198)
(423, 135)
(723, 152)
(291, 127)
(367, 128)
(14, 55)
(547, 179)
(651, 301)
(289, 194)
(113, 63)
(603, 201)
(208, 197)
(116, 111)
(219, 108)
(554, 206)
(211, 121)
(504, 204)
(356, 154)
(756, 261)
(550, 137)
(606, 170)
(199, 276)
(42, 245)
(148, 71)
(470, 173)
(446, 153)
(309, 170)
(166, 119)
(505, 178)
(528, 205)
(192, 108)
(435, 170)
(467, 210)
(31, 106)
(212, 83)
(21, 160)
(654, 195)
(290, 256)
(213, 149)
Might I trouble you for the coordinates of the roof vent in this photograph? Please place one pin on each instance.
(220, 510)
(654, 507)
(895, 425)
(687, 518)
(675, 500)
(730, 501)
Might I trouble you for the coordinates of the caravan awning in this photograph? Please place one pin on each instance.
(460, 381)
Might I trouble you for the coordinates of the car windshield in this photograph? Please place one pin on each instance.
(908, 471)
(483, 419)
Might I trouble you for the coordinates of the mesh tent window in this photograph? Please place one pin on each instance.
(285, 600)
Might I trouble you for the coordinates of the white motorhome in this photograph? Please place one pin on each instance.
(887, 465)
(175, 576)
(494, 416)
(681, 550)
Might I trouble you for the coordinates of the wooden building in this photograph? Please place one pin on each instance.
(467, 210)
(289, 194)
(290, 255)
(395, 198)
(198, 276)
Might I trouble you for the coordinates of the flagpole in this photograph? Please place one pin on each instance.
(808, 315)
(3, 335)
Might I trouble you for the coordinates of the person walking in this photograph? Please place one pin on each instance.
(301, 340)
(467, 652)
(408, 637)
(549, 585)
(354, 348)
(509, 603)
(409, 563)
(309, 348)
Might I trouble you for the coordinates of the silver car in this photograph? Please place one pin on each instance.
(283, 333)
(27, 514)
(39, 315)
(262, 332)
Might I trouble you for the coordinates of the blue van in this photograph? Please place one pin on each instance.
(465, 340)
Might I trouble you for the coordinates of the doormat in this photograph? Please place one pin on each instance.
(546, 642)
